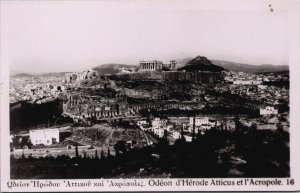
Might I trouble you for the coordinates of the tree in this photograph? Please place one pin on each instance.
(23, 155)
(76, 151)
(163, 142)
(182, 138)
(102, 156)
(96, 154)
(237, 123)
(108, 152)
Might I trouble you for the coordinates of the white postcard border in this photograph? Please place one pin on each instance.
(292, 7)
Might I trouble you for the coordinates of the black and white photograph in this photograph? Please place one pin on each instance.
(147, 90)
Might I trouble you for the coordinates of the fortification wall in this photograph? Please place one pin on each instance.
(199, 77)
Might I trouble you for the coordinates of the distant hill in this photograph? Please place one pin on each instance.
(249, 68)
(111, 68)
(240, 67)
(201, 63)
(182, 62)
(22, 75)
(57, 74)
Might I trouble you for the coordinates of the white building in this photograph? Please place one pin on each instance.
(175, 135)
(199, 121)
(158, 123)
(188, 138)
(242, 82)
(159, 132)
(262, 87)
(247, 82)
(257, 82)
(168, 127)
(268, 110)
(44, 136)
(202, 124)
(141, 122)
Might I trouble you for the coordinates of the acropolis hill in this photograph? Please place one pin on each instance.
(199, 70)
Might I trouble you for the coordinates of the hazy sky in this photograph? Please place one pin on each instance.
(44, 36)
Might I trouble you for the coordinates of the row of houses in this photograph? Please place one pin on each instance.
(161, 127)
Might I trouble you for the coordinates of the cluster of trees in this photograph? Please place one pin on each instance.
(230, 110)
(21, 142)
(279, 83)
(25, 115)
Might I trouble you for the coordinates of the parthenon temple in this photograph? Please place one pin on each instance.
(154, 65)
